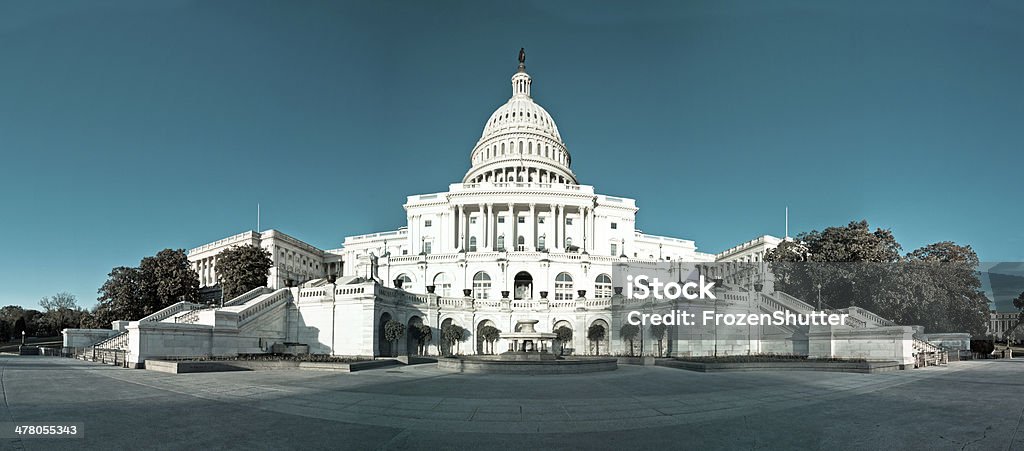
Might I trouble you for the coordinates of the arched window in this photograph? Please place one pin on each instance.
(531, 148)
(603, 286)
(520, 147)
(521, 243)
(563, 287)
(501, 243)
(540, 243)
(503, 148)
(443, 284)
(472, 244)
(481, 285)
(406, 280)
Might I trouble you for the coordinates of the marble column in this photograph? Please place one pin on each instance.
(461, 235)
(533, 228)
(515, 228)
(491, 221)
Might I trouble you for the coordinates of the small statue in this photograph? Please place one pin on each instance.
(522, 55)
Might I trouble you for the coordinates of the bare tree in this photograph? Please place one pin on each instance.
(59, 308)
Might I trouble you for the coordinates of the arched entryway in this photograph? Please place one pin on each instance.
(481, 344)
(412, 335)
(383, 345)
(566, 346)
(523, 285)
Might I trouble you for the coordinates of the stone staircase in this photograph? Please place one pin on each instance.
(118, 342)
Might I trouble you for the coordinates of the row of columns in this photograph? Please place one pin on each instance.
(520, 174)
(206, 268)
(489, 216)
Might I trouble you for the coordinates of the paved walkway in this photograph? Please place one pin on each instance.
(967, 405)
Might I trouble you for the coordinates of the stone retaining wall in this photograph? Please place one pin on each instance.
(526, 367)
(807, 365)
(194, 366)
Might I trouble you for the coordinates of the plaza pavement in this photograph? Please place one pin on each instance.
(966, 405)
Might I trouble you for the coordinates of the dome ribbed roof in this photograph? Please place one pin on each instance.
(520, 141)
(521, 114)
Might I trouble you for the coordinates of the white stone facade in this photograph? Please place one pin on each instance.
(518, 239)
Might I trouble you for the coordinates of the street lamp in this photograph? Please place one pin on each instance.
(819, 297)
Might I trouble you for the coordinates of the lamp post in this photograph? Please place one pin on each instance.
(819, 297)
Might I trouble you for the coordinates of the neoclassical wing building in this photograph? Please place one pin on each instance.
(519, 239)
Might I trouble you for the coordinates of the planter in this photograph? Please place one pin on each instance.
(431, 288)
(582, 293)
(467, 292)
(504, 294)
(398, 283)
(543, 294)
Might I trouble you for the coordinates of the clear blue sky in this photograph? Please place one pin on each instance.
(127, 127)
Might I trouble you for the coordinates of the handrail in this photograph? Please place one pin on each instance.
(873, 317)
(170, 311)
(248, 296)
(119, 341)
(249, 312)
(802, 307)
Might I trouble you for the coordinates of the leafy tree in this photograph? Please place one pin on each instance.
(490, 334)
(169, 279)
(935, 286)
(658, 332)
(122, 296)
(159, 281)
(629, 332)
(5, 331)
(9, 315)
(35, 324)
(20, 328)
(242, 268)
(60, 308)
(596, 334)
(393, 331)
(564, 336)
(452, 334)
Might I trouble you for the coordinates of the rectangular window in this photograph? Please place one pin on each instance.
(428, 223)
(615, 250)
(522, 219)
(472, 219)
(615, 225)
(540, 220)
(426, 247)
(501, 219)
(568, 221)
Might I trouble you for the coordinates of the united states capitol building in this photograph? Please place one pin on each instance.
(518, 238)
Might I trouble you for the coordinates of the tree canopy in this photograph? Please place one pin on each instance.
(131, 293)
(242, 268)
(629, 332)
(936, 286)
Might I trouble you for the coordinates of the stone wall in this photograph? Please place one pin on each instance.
(894, 343)
(80, 338)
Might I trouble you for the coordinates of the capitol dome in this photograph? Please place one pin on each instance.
(520, 141)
